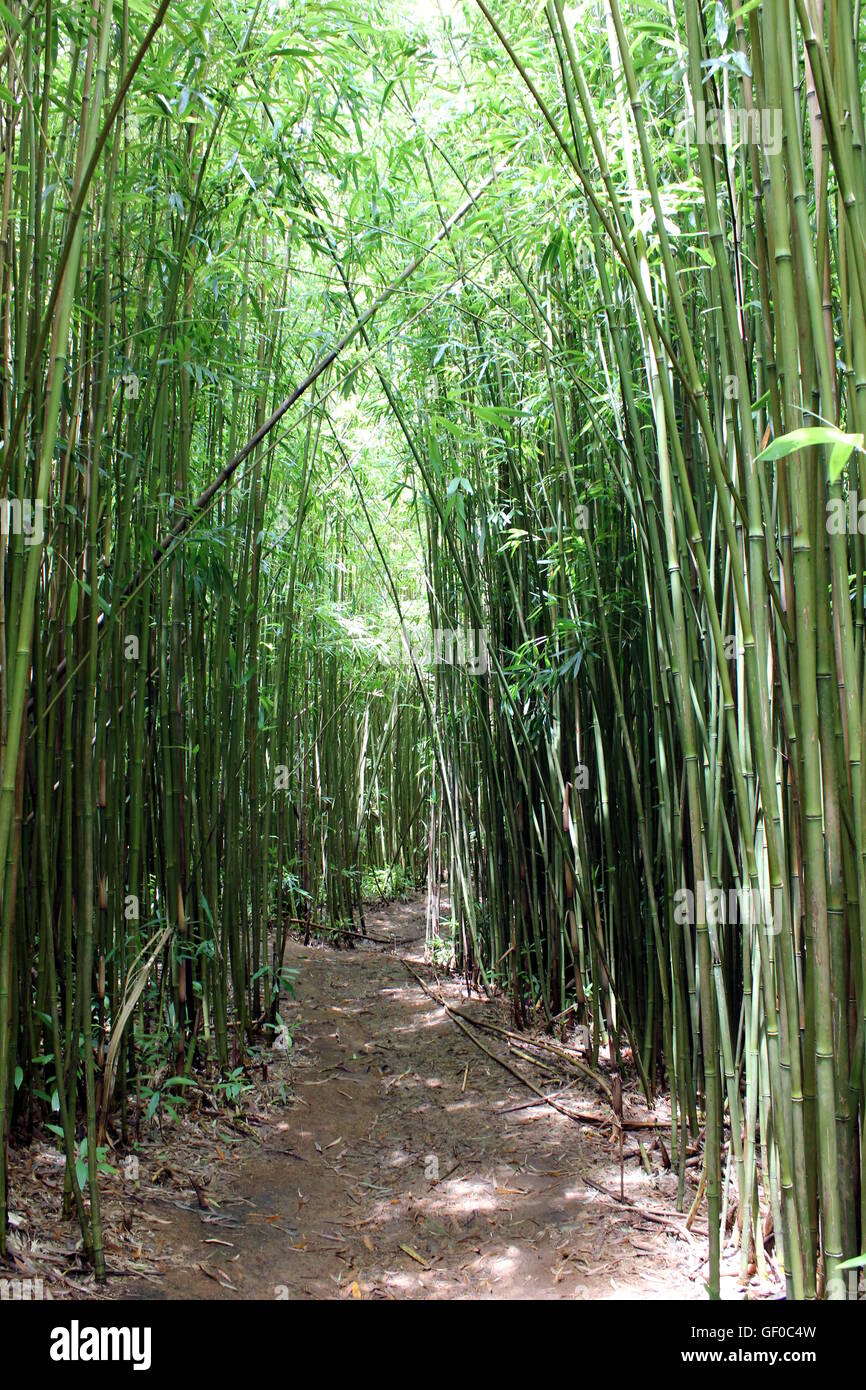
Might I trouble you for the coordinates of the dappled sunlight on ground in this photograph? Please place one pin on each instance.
(410, 1164)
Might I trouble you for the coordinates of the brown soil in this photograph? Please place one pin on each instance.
(384, 1156)
(341, 1197)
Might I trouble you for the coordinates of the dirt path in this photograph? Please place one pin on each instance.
(401, 1167)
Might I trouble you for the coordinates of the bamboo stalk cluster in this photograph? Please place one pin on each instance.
(195, 756)
(662, 430)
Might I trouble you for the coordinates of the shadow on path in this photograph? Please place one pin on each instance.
(396, 1172)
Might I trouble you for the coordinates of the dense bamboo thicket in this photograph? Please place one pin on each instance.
(432, 447)
(665, 757)
(203, 745)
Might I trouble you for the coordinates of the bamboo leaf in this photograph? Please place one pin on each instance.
(842, 445)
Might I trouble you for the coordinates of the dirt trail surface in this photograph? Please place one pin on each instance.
(409, 1164)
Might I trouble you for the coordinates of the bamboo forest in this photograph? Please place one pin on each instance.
(432, 653)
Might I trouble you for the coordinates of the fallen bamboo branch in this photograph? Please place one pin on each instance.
(134, 986)
(545, 1046)
(578, 1116)
(528, 1104)
(658, 1217)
